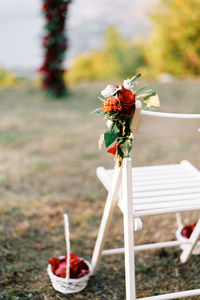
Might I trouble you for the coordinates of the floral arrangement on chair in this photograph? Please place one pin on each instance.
(118, 106)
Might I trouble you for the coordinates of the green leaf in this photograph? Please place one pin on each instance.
(111, 135)
(126, 147)
(97, 111)
(146, 93)
(140, 89)
(150, 95)
(136, 76)
(150, 107)
(120, 140)
(120, 152)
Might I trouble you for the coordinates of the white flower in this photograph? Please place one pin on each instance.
(130, 83)
(110, 90)
(109, 122)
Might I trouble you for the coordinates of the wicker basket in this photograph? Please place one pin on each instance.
(181, 238)
(68, 285)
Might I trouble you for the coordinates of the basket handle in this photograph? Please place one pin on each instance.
(67, 240)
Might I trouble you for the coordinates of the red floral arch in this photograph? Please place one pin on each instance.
(55, 45)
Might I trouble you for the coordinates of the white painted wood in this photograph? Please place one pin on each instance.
(154, 212)
(145, 247)
(173, 295)
(128, 230)
(186, 190)
(138, 225)
(168, 125)
(194, 240)
(168, 180)
(179, 221)
(152, 174)
(113, 251)
(152, 246)
(105, 177)
(172, 204)
(155, 167)
(68, 246)
(107, 215)
(162, 190)
(163, 186)
(152, 190)
(136, 118)
(167, 198)
(190, 167)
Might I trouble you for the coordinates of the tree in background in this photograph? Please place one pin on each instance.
(175, 43)
(55, 45)
(119, 58)
(8, 79)
(125, 56)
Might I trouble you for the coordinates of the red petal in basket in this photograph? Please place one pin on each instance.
(54, 262)
(61, 270)
(187, 230)
(78, 267)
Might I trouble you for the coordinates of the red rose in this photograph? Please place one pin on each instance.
(127, 99)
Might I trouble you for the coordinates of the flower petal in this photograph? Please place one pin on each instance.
(110, 90)
(130, 83)
(113, 149)
(109, 123)
(153, 101)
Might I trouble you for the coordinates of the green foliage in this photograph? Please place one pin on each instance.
(119, 58)
(125, 147)
(110, 135)
(124, 56)
(7, 79)
(88, 67)
(98, 111)
(175, 44)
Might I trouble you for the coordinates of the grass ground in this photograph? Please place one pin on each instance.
(48, 156)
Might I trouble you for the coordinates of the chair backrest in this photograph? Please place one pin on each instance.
(163, 125)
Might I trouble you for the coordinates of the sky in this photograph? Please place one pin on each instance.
(21, 27)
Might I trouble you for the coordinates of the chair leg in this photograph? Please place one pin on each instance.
(179, 221)
(106, 218)
(194, 240)
(128, 231)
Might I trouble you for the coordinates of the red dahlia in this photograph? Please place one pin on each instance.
(111, 104)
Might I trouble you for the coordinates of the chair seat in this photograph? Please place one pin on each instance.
(160, 189)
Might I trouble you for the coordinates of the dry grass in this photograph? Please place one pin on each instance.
(48, 156)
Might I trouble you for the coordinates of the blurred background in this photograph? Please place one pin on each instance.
(106, 40)
(48, 146)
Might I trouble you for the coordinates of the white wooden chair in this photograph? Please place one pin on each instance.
(164, 189)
